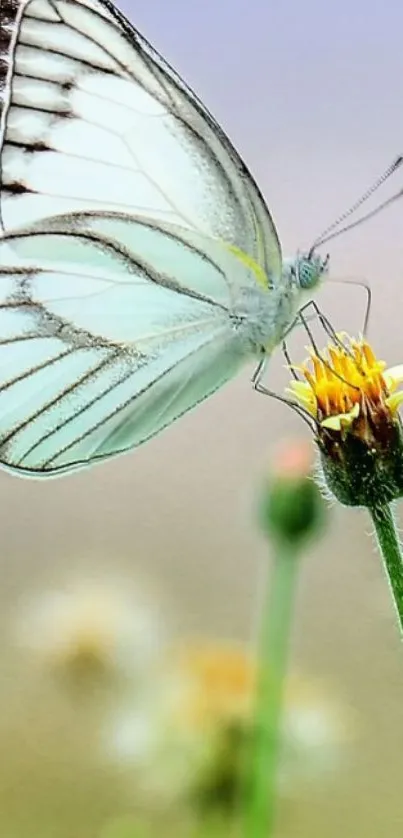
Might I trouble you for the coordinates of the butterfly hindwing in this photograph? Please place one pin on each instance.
(101, 348)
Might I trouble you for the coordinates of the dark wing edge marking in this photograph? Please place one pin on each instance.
(165, 76)
(141, 43)
(64, 394)
(9, 13)
(125, 359)
(70, 226)
(46, 469)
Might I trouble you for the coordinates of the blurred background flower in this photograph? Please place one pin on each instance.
(99, 627)
(187, 747)
(73, 653)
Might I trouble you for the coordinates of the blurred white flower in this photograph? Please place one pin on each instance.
(189, 742)
(91, 627)
(316, 731)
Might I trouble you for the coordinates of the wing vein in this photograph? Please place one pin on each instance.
(112, 413)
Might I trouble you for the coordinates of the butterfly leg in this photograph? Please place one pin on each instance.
(303, 315)
(304, 414)
(257, 378)
(287, 356)
(302, 318)
(259, 372)
(261, 367)
(367, 314)
(328, 328)
(260, 388)
(367, 288)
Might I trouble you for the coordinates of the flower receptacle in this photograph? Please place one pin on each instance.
(364, 472)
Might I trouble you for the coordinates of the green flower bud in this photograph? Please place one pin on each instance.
(291, 506)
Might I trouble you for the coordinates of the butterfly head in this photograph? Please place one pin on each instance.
(309, 269)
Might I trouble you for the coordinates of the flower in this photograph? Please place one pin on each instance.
(90, 628)
(189, 745)
(354, 401)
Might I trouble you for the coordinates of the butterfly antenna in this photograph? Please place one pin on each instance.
(362, 219)
(328, 233)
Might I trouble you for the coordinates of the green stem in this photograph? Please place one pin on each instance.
(272, 663)
(391, 551)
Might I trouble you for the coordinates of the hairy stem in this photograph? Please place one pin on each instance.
(391, 551)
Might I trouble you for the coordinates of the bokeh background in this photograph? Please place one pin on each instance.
(312, 95)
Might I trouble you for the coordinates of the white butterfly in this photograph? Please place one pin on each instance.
(139, 264)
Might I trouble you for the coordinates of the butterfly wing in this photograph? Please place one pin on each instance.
(130, 231)
(102, 342)
(93, 118)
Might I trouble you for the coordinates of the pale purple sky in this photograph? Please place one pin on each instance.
(311, 94)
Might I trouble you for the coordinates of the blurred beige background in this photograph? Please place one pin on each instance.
(312, 95)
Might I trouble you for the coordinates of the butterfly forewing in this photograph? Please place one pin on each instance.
(93, 118)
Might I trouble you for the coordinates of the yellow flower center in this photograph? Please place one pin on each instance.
(347, 381)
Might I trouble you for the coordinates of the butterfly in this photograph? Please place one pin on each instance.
(140, 267)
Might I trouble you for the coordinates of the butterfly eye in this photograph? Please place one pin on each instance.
(308, 273)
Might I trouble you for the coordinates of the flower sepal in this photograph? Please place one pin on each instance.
(360, 471)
